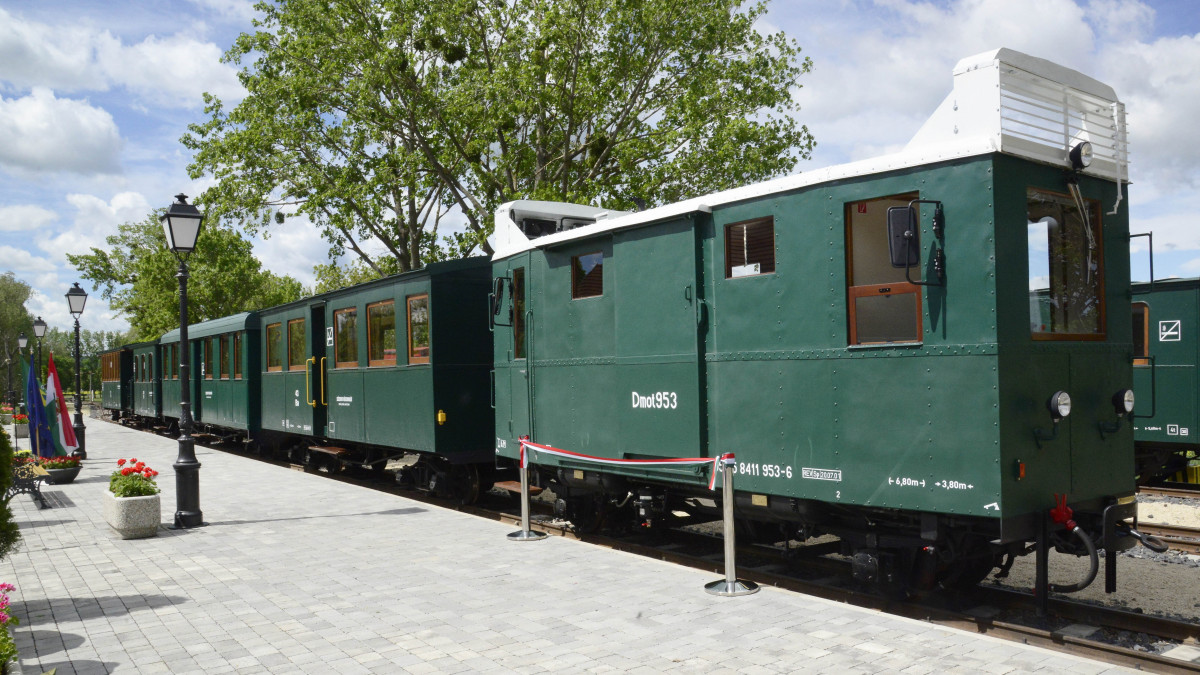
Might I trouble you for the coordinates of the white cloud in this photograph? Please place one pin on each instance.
(40, 132)
(172, 70)
(94, 220)
(25, 217)
(292, 249)
(237, 10)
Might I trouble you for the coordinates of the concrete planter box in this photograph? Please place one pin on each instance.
(21, 430)
(133, 517)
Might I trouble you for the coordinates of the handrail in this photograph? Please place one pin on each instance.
(307, 382)
(323, 401)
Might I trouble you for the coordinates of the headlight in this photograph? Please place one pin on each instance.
(1059, 405)
(1081, 155)
(1123, 402)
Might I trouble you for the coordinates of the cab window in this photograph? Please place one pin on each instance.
(518, 320)
(750, 248)
(587, 276)
(1066, 267)
(883, 307)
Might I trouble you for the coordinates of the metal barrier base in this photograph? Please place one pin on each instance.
(526, 535)
(729, 588)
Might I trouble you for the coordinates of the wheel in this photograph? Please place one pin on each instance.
(466, 483)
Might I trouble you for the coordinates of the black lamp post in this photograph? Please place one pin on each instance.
(181, 223)
(76, 299)
(22, 342)
(39, 332)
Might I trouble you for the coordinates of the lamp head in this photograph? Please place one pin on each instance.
(39, 328)
(181, 223)
(76, 299)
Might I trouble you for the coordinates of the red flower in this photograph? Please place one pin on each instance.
(139, 466)
(120, 462)
(126, 471)
(132, 459)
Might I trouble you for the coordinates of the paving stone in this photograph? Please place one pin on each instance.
(297, 573)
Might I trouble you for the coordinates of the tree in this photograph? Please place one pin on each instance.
(137, 277)
(14, 320)
(61, 343)
(383, 120)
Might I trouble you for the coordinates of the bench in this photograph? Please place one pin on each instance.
(27, 478)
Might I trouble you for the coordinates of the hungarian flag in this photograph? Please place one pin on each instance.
(40, 439)
(56, 410)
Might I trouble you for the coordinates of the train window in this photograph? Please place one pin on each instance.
(518, 320)
(137, 371)
(882, 307)
(1141, 334)
(381, 333)
(587, 275)
(1066, 267)
(418, 329)
(175, 361)
(297, 354)
(750, 248)
(223, 357)
(237, 356)
(345, 338)
(275, 346)
(208, 358)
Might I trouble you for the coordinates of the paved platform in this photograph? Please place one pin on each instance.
(298, 573)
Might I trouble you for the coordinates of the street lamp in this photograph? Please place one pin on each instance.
(76, 299)
(39, 332)
(181, 223)
(22, 341)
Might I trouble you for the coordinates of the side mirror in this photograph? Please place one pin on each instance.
(904, 237)
(497, 298)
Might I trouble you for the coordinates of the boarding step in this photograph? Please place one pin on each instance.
(329, 450)
(515, 486)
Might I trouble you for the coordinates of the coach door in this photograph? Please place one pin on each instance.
(511, 316)
(659, 397)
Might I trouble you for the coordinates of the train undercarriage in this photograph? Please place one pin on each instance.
(896, 551)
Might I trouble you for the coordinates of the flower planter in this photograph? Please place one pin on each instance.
(133, 517)
(5, 418)
(21, 430)
(62, 476)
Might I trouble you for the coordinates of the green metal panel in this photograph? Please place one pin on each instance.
(224, 402)
(1168, 390)
(117, 394)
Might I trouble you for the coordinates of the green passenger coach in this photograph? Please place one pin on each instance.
(116, 381)
(224, 397)
(1166, 316)
(366, 374)
(926, 354)
(145, 383)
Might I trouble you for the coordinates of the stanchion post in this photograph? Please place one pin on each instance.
(525, 534)
(730, 585)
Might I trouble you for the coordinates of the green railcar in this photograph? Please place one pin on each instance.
(116, 381)
(365, 374)
(145, 383)
(1166, 316)
(883, 345)
(223, 374)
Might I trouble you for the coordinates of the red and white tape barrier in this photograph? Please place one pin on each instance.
(727, 459)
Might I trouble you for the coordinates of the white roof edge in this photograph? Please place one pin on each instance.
(1039, 67)
(929, 154)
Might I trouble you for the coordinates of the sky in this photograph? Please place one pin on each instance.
(94, 97)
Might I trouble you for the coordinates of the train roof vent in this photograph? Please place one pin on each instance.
(1032, 108)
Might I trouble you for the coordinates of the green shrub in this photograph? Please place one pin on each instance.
(10, 534)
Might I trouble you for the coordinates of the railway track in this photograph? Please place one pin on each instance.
(1181, 490)
(1185, 539)
(999, 612)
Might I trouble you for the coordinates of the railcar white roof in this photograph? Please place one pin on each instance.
(1002, 101)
